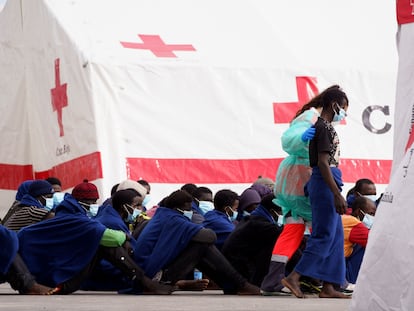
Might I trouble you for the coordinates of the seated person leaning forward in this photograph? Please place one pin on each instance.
(172, 246)
(62, 251)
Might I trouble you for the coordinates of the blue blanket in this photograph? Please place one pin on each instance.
(163, 239)
(9, 246)
(220, 224)
(58, 248)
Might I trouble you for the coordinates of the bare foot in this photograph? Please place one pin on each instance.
(332, 293)
(38, 289)
(293, 286)
(249, 289)
(192, 285)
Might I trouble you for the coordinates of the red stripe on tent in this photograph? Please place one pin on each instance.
(70, 173)
(405, 11)
(12, 175)
(240, 171)
(74, 171)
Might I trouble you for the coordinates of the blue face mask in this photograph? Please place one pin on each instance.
(136, 213)
(245, 213)
(368, 220)
(338, 117)
(49, 203)
(93, 209)
(58, 197)
(234, 216)
(130, 218)
(188, 214)
(146, 200)
(205, 206)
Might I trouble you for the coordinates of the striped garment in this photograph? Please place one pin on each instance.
(25, 216)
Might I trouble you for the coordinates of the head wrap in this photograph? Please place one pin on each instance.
(248, 197)
(40, 187)
(132, 184)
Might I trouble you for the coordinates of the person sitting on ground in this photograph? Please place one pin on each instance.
(220, 220)
(171, 246)
(56, 183)
(34, 206)
(62, 251)
(105, 276)
(202, 203)
(13, 269)
(249, 246)
(146, 201)
(248, 201)
(363, 187)
(21, 191)
(265, 181)
(356, 235)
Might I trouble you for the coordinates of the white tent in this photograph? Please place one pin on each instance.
(385, 281)
(186, 91)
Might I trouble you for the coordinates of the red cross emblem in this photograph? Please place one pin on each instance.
(157, 46)
(58, 96)
(306, 89)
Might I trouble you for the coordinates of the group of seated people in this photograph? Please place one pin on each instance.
(56, 243)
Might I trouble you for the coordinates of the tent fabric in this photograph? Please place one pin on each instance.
(385, 279)
(186, 91)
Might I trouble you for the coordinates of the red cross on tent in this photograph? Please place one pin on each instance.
(157, 46)
(58, 96)
(306, 88)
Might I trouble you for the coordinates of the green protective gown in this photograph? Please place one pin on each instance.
(294, 171)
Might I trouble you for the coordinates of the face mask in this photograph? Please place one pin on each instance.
(93, 209)
(205, 206)
(245, 213)
(146, 200)
(371, 197)
(58, 198)
(49, 203)
(136, 213)
(188, 214)
(340, 115)
(368, 220)
(233, 217)
(279, 220)
(129, 219)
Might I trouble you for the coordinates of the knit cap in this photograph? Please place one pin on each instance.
(86, 191)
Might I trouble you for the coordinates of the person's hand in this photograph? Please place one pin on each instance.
(340, 204)
(128, 247)
(308, 134)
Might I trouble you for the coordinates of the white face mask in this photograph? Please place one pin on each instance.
(371, 197)
(188, 214)
(205, 206)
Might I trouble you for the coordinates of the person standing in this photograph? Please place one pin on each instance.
(323, 257)
(292, 175)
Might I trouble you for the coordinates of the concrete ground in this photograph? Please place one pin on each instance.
(210, 300)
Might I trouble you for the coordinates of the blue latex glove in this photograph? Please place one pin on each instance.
(308, 134)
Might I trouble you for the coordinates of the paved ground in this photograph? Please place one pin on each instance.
(182, 301)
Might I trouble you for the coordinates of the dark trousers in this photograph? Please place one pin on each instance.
(209, 260)
(18, 276)
(117, 256)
